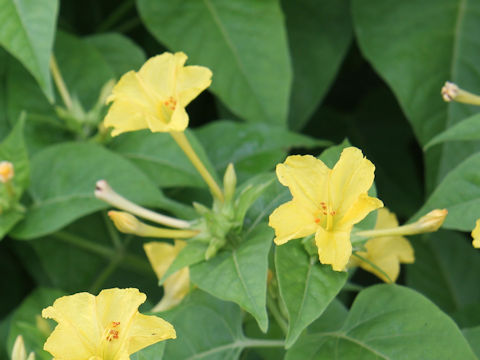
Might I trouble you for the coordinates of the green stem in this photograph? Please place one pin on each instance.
(116, 15)
(260, 343)
(277, 315)
(352, 287)
(104, 275)
(58, 79)
(126, 26)
(184, 144)
(112, 231)
(129, 261)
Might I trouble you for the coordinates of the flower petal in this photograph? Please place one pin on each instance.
(291, 221)
(176, 287)
(192, 80)
(358, 211)
(179, 120)
(386, 219)
(131, 89)
(147, 330)
(118, 305)
(77, 334)
(306, 177)
(334, 248)
(351, 176)
(389, 265)
(476, 235)
(162, 254)
(159, 73)
(125, 116)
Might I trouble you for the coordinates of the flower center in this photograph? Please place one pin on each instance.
(166, 108)
(112, 331)
(325, 216)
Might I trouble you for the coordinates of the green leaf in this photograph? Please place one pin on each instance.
(8, 220)
(419, 61)
(4, 124)
(249, 58)
(306, 287)
(252, 148)
(382, 320)
(161, 159)
(121, 53)
(63, 182)
(42, 127)
(13, 149)
(219, 336)
(466, 130)
(445, 270)
(83, 257)
(332, 318)
(319, 33)
(248, 193)
(459, 193)
(239, 275)
(153, 352)
(473, 337)
(27, 31)
(24, 321)
(83, 67)
(191, 254)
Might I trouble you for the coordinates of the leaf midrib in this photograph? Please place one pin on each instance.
(307, 284)
(228, 41)
(29, 40)
(242, 281)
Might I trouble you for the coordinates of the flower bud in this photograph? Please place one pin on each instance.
(129, 224)
(229, 182)
(19, 352)
(6, 171)
(432, 221)
(124, 222)
(451, 92)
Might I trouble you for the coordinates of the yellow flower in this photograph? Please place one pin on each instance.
(177, 285)
(155, 97)
(476, 235)
(326, 202)
(386, 252)
(103, 327)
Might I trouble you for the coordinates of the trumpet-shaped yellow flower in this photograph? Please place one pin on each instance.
(325, 202)
(103, 327)
(155, 97)
(386, 252)
(476, 235)
(177, 285)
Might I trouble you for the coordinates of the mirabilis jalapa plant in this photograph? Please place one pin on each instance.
(326, 204)
(326, 210)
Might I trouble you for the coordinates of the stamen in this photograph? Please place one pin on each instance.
(112, 333)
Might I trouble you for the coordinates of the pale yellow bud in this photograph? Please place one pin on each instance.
(43, 325)
(432, 221)
(451, 92)
(428, 223)
(6, 171)
(129, 224)
(19, 352)
(229, 182)
(124, 222)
